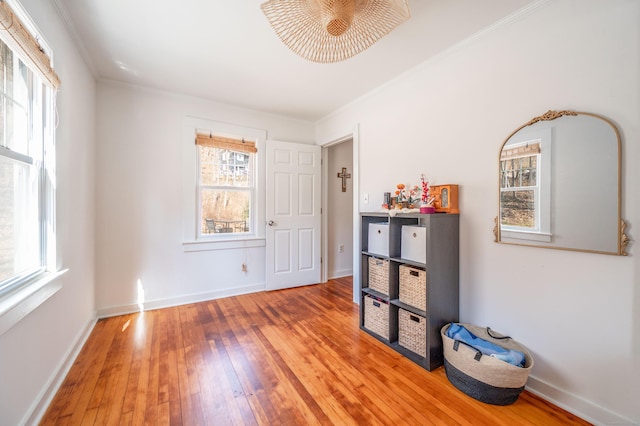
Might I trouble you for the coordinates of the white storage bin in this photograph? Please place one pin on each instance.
(413, 245)
(379, 238)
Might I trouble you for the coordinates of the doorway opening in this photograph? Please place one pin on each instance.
(340, 219)
(339, 209)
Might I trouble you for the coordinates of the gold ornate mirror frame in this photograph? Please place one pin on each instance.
(622, 239)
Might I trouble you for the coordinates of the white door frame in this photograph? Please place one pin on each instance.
(355, 175)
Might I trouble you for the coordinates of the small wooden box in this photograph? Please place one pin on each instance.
(446, 198)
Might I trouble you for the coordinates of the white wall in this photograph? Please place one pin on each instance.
(35, 350)
(140, 189)
(340, 211)
(579, 313)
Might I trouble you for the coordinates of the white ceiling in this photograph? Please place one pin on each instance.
(225, 50)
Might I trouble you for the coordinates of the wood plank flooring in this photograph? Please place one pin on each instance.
(290, 357)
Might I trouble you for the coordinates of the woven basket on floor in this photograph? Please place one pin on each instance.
(482, 377)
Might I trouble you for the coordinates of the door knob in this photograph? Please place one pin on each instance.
(271, 223)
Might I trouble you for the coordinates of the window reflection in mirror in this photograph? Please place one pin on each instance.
(519, 186)
(525, 168)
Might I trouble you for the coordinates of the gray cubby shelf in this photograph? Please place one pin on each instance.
(442, 279)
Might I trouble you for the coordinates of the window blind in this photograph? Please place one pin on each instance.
(21, 41)
(520, 151)
(232, 144)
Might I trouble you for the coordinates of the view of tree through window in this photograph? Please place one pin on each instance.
(226, 189)
(518, 187)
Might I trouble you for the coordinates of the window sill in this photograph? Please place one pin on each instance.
(523, 235)
(222, 244)
(19, 303)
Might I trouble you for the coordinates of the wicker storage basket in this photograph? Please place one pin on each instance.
(413, 287)
(376, 316)
(482, 377)
(379, 275)
(412, 332)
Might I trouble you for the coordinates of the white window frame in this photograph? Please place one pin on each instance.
(250, 189)
(33, 159)
(542, 191)
(193, 240)
(25, 292)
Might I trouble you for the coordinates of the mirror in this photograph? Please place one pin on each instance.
(560, 185)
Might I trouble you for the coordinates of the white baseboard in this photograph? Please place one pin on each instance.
(340, 274)
(180, 300)
(582, 408)
(41, 403)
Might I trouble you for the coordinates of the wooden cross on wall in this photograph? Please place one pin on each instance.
(344, 176)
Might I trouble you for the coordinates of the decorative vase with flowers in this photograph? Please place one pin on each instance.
(401, 196)
(426, 206)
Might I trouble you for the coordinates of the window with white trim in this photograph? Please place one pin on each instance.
(27, 89)
(226, 185)
(519, 189)
(525, 190)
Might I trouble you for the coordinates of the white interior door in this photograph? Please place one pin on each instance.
(293, 215)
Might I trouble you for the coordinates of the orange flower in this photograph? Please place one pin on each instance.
(400, 186)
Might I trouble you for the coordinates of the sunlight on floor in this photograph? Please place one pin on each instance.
(140, 295)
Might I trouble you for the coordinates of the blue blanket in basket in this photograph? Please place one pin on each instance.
(458, 332)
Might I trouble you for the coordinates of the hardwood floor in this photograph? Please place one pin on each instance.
(290, 357)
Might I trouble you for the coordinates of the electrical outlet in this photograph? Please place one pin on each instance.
(244, 267)
(341, 248)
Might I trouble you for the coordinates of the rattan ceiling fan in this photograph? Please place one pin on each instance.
(333, 30)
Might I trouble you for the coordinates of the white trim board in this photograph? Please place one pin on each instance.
(181, 300)
(42, 402)
(340, 274)
(582, 408)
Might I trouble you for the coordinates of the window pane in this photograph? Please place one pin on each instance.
(225, 211)
(519, 172)
(518, 208)
(222, 167)
(528, 177)
(14, 99)
(19, 221)
(16, 127)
